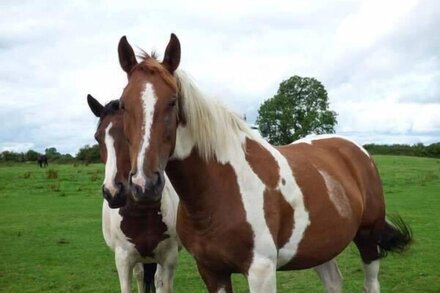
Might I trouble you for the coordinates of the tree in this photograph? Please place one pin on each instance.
(31, 155)
(52, 153)
(89, 154)
(299, 108)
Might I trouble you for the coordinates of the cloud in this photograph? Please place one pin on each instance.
(379, 61)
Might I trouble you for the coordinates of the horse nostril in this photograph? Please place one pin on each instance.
(130, 178)
(106, 193)
(157, 179)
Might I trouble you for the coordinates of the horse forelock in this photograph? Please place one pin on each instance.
(207, 120)
(151, 64)
(110, 108)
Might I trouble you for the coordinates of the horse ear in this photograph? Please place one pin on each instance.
(127, 59)
(171, 59)
(95, 106)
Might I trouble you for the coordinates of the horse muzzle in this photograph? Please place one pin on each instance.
(118, 200)
(151, 191)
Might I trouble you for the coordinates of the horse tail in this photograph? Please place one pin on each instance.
(396, 237)
(149, 272)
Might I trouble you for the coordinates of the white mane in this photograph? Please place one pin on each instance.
(213, 129)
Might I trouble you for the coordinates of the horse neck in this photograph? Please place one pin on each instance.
(196, 181)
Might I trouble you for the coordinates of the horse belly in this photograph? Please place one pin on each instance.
(329, 232)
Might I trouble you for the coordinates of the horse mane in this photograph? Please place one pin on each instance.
(216, 131)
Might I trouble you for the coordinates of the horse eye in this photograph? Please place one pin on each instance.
(172, 103)
(122, 106)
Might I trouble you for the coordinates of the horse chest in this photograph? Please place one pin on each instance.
(145, 230)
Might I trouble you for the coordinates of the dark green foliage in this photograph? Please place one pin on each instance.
(31, 155)
(89, 154)
(418, 150)
(8, 156)
(299, 108)
(52, 153)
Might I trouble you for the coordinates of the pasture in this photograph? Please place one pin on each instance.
(51, 241)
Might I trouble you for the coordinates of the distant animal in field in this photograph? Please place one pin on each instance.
(142, 235)
(246, 206)
(42, 161)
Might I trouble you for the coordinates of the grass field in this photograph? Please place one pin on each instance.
(50, 233)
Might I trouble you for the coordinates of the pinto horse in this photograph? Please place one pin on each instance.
(247, 206)
(138, 234)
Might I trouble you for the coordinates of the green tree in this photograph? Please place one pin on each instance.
(31, 155)
(299, 108)
(52, 153)
(89, 154)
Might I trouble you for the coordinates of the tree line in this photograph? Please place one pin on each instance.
(87, 154)
(417, 150)
(90, 154)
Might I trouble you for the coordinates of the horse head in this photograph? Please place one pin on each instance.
(149, 103)
(113, 148)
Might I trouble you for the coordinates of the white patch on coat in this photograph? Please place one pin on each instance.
(126, 254)
(110, 163)
(311, 138)
(293, 195)
(184, 144)
(337, 195)
(252, 194)
(149, 100)
(371, 282)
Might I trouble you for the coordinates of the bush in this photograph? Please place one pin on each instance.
(52, 174)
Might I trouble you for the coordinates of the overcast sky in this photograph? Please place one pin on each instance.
(379, 61)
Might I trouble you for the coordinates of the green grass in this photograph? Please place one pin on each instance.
(50, 233)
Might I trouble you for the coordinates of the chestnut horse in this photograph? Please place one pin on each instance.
(247, 206)
(140, 235)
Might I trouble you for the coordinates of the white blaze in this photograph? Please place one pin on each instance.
(149, 100)
(110, 163)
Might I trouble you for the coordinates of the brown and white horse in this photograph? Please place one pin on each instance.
(140, 235)
(246, 206)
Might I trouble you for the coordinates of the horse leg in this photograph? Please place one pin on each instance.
(215, 281)
(262, 275)
(124, 267)
(330, 276)
(166, 266)
(150, 270)
(138, 272)
(367, 245)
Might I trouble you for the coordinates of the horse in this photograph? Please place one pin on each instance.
(140, 235)
(246, 206)
(42, 161)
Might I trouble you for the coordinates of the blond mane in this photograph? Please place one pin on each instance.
(216, 131)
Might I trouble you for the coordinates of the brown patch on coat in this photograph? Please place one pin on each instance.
(279, 216)
(143, 226)
(262, 163)
(277, 211)
(211, 221)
